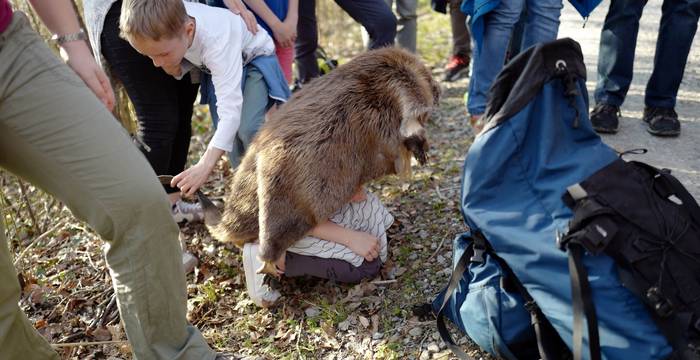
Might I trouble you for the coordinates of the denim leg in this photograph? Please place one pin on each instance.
(541, 22)
(255, 104)
(375, 16)
(488, 60)
(679, 22)
(618, 41)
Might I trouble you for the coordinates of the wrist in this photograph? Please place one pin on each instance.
(210, 157)
(75, 47)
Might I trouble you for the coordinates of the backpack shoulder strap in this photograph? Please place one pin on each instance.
(456, 276)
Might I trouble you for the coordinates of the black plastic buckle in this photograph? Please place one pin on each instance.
(478, 256)
(562, 240)
(658, 302)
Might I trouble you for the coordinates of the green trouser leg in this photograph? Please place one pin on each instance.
(57, 135)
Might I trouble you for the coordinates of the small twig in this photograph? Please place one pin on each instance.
(6, 203)
(89, 343)
(382, 282)
(438, 248)
(36, 240)
(28, 204)
(439, 194)
(108, 310)
(420, 347)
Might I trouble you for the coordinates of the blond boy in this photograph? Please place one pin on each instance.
(246, 74)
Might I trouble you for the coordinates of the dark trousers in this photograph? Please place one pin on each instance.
(163, 104)
(335, 270)
(461, 37)
(679, 22)
(374, 15)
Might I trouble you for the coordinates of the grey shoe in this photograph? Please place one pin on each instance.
(190, 212)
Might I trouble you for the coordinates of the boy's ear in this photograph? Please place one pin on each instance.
(189, 27)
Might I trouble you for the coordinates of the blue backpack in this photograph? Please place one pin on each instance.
(563, 257)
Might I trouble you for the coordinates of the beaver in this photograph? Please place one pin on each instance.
(362, 121)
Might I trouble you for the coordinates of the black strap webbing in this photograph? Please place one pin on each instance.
(582, 305)
(549, 343)
(452, 285)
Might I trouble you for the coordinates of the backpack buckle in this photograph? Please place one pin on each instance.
(478, 256)
(658, 302)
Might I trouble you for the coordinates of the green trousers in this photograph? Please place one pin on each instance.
(56, 134)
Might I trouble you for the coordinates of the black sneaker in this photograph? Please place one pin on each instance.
(662, 121)
(456, 68)
(605, 118)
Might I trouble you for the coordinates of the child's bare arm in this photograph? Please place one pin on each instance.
(283, 32)
(359, 242)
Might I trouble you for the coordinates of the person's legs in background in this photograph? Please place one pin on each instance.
(458, 64)
(618, 41)
(541, 22)
(375, 16)
(286, 59)
(307, 42)
(489, 58)
(407, 25)
(679, 23)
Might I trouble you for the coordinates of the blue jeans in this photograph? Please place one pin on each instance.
(541, 25)
(679, 22)
(256, 102)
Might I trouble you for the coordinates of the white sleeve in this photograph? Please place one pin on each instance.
(225, 61)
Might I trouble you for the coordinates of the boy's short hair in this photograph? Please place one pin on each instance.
(152, 19)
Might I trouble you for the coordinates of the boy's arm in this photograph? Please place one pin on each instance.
(361, 243)
(60, 18)
(283, 32)
(225, 60)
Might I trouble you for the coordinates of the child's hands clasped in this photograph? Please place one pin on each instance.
(364, 244)
(286, 33)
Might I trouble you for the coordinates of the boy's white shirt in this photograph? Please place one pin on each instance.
(223, 45)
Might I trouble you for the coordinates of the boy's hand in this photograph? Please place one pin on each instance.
(193, 178)
(81, 61)
(364, 244)
(286, 32)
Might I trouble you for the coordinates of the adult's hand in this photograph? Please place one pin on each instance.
(237, 7)
(81, 61)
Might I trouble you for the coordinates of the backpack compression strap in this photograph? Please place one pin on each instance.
(580, 288)
(452, 285)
